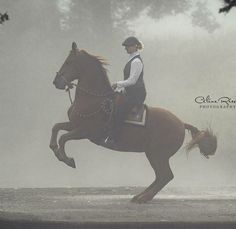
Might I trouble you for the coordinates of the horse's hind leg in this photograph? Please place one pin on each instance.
(163, 173)
(56, 128)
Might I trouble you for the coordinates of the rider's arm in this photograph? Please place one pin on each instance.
(135, 71)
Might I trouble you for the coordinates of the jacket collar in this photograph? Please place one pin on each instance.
(132, 55)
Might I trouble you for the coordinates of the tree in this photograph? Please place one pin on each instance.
(228, 6)
(107, 20)
(4, 17)
(201, 17)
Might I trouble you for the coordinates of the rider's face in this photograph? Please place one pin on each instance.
(131, 49)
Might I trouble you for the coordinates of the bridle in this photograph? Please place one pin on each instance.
(69, 85)
(106, 102)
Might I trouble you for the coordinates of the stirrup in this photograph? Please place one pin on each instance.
(108, 139)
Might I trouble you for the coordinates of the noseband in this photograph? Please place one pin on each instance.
(69, 85)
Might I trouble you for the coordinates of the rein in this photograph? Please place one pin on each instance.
(107, 104)
(69, 86)
(95, 94)
(68, 90)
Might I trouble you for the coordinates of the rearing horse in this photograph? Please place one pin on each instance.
(159, 139)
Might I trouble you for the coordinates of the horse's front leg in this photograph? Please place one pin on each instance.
(56, 128)
(74, 134)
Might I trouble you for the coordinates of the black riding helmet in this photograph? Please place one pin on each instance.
(130, 41)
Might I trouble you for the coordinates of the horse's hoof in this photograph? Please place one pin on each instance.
(58, 155)
(135, 200)
(70, 162)
(139, 199)
(53, 147)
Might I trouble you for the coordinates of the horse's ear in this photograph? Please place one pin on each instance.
(74, 46)
(75, 50)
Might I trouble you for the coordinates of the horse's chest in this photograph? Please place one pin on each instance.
(83, 110)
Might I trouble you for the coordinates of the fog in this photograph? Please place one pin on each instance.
(189, 50)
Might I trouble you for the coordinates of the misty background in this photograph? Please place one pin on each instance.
(189, 50)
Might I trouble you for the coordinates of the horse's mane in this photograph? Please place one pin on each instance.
(100, 62)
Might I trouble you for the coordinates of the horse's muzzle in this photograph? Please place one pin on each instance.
(59, 86)
(58, 83)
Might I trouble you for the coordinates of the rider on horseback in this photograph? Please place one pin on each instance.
(133, 85)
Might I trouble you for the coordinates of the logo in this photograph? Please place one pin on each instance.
(223, 102)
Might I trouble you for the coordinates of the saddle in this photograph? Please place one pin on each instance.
(137, 115)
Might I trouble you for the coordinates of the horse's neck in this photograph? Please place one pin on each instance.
(95, 84)
(90, 93)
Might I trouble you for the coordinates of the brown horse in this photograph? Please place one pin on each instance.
(89, 115)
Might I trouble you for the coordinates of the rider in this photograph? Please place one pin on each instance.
(133, 84)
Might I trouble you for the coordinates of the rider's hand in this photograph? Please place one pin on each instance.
(114, 86)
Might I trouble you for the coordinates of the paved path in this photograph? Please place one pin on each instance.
(78, 207)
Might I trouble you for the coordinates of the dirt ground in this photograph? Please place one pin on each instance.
(70, 205)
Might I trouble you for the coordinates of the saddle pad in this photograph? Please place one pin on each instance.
(137, 118)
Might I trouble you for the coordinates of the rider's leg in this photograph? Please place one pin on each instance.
(120, 115)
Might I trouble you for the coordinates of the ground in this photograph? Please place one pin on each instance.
(112, 205)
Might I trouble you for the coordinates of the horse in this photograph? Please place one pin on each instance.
(91, 112)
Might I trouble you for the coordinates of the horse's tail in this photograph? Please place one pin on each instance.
(205, 140)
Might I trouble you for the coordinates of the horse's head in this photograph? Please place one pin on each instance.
(87, 68)
(69, 71)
